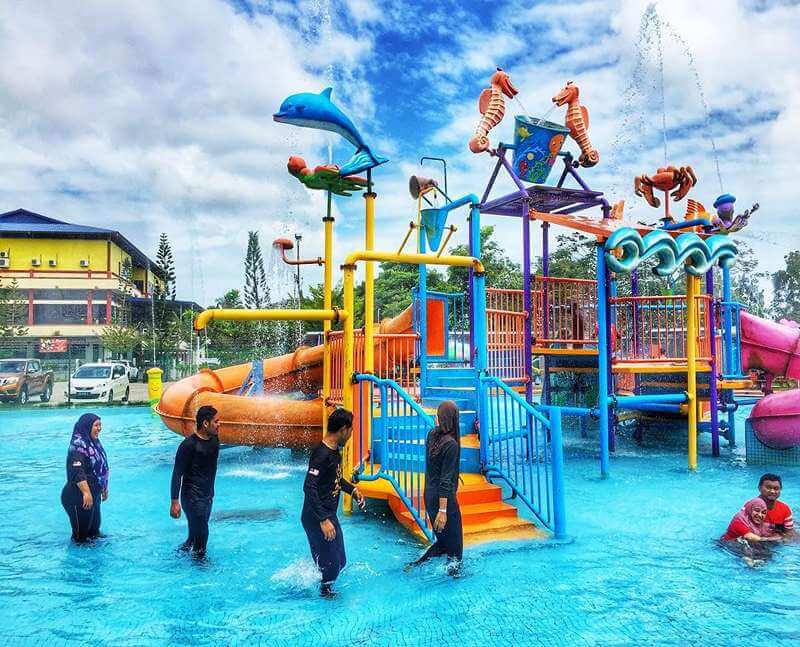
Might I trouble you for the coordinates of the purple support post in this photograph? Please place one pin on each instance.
(544, 310)
(475, 253)
(636, 340)
(526, 298)
(712, 380)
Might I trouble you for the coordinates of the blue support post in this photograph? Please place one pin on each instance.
(557, 459)
(481, 361)
(603, 358)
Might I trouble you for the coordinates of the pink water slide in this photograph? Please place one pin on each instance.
(775, 349)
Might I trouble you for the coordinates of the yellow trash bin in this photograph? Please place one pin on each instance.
(155, 387)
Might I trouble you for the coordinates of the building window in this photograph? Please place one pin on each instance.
(59, 314)
(61, 295)
(98, 313)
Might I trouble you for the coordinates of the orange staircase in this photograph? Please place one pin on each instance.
(485, 516)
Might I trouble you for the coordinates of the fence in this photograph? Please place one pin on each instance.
(456, 337)
(396, 357)
(564, 312)
(395, 448)
(654, 328)
(732, 357)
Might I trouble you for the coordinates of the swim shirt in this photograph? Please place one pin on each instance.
(780, 517)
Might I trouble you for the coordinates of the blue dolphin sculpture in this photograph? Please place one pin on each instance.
(311, 110)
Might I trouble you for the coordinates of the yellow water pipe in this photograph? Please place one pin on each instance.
(692, 290)
(224, 314)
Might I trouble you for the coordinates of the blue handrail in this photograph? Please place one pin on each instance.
(400, 445)
(521, 444)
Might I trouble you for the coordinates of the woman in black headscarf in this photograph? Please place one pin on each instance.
(442, 456)
(87, 478)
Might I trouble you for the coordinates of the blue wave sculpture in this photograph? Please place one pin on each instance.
(688, 249)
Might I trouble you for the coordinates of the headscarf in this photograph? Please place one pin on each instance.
(83, 443)
(448, 427)
(761, 529)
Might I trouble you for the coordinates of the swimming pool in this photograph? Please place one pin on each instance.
(641, 568)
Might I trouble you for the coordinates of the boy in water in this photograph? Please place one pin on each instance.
(193, 479)
(779, 515)
(322, 487)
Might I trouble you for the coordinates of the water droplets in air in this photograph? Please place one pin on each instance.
(645, 100)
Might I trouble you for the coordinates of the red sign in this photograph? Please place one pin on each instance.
(53, 345)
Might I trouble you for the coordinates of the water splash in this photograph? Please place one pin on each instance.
(301, 575)
(646, 87)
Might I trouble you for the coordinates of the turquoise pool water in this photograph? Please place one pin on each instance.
(642, 566)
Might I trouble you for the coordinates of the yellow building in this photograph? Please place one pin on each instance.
(71, 277)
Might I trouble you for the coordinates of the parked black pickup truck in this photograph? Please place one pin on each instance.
(21, 379)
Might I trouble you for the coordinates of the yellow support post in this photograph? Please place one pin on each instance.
(326, 325)
(369, 286)
(348, 348)
(692, 290)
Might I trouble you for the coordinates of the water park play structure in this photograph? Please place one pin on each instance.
(644, 360)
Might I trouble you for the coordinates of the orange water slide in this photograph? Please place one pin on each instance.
(275, 420)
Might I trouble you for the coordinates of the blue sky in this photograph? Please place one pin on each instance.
(147, 118)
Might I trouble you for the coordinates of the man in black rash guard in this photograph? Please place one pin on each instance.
(193, 479)
(322, 487)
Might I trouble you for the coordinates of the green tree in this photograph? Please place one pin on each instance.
(256, 291)
(574, 257)
(230, 341)
(13, 311)
(166, 262)
(786, 286)
(501, 271)
(119, 339)
(395, 284)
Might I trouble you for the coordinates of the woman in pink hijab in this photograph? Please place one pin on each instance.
(750, 523)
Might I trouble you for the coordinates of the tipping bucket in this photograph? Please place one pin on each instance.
(538, 143)
(433, 222)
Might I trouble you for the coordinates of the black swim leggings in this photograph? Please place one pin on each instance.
(329, 556)
(85, 523)
(197, 513)
(450, 541)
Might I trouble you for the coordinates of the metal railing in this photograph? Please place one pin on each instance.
(564, 312)
(505, 336)
(521, 445)
(396, 357)
(732, 341)
(652, 328)
(395, 448)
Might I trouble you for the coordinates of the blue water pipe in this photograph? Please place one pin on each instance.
(733, 364)
(603, 358)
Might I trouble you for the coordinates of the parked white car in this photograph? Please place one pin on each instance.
(133, 370)
(103, 381)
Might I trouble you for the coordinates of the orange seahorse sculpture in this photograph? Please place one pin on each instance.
(492, 106)
(577, 122)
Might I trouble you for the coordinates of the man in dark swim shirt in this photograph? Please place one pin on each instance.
(193, 479)
(322, 488)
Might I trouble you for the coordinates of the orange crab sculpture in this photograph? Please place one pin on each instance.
(666, 179)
